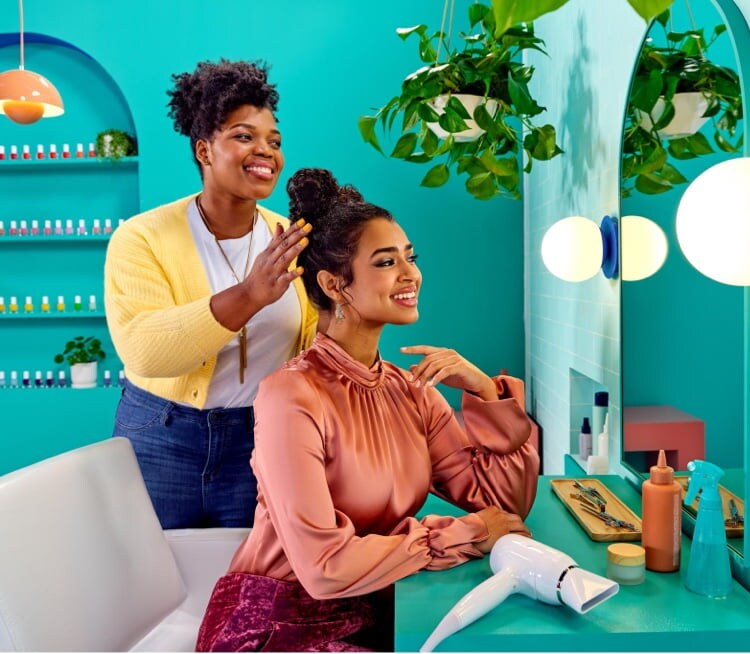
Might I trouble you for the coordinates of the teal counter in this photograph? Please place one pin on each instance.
(658, 615)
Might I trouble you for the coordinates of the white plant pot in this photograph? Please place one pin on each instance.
(688, 117)
(83, 375)
(470, 103)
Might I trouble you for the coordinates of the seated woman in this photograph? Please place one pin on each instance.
(347, 447)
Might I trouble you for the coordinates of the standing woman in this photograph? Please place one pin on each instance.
(348, 446)
(204, 299)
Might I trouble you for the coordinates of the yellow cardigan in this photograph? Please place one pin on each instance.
(157, 294)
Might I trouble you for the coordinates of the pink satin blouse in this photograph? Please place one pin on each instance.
(346, 455)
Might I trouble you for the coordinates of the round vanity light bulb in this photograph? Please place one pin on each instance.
(713, 222)
(572, 249)
(644, 247)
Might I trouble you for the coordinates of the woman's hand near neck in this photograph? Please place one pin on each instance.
(227, 217)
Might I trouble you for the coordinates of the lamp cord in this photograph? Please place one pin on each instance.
(20, 36)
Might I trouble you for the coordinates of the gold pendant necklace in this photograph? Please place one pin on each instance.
(243, 332)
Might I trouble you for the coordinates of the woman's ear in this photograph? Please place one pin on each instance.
(203, 152)
(330, 285)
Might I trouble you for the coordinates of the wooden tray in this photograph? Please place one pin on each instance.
(726, 495)
(597, 529)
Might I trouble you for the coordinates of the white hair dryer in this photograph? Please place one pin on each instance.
(523, 565)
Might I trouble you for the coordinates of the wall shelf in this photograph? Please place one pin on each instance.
(54, 315)
(69, 239)
(22, 165)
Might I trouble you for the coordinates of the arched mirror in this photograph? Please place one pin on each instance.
(683, 334)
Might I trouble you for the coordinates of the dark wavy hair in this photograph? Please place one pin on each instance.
(201, 101)
(338, 215)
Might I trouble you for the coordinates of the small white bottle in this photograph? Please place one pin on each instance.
(2, 378)
(598, 413)
(13, 379)
(603, 439)
(92, 302)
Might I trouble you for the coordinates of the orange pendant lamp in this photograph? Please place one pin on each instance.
(26, 96)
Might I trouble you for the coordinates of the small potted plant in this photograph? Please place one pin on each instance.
(82, 354)
(676, 89)
(471, 111)
(115, 144)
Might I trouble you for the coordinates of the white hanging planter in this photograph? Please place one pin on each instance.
(688, 117)
(83, 375)
(470, 103)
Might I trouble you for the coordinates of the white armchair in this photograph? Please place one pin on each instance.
(85, 565)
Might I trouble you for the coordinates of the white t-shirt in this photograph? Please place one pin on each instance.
(272, 333)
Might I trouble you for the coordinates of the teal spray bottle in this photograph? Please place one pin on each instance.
(708, 569)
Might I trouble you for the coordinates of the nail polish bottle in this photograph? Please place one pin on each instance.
(13, 152)
(13, 228)
(38, 383)
(2, 378)
(52, 151)
(58, 227)
(107, 226)
(26, 153)
(77, 303)
(35, 228)
(82, 227)
(2, 228)
(61, 381)
(50, 380)
(40, 151)
(13, 379)
(120, 221)
(2, 304)
(79, 150)
(26, 379)
(24, 228)
(13, 304)
(121, 378)
(97, 228)
(60, 303)
(92, 302)
(107, 378)
(66, 151)
(28, 305)
(2, 152)
(92, 150)
(69, 227)
(45, 304)
(47, 229)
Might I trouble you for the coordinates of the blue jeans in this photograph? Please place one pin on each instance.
(196, 463)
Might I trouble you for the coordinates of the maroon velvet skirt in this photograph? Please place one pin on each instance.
(250, 613)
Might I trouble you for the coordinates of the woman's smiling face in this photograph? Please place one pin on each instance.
(385, 277)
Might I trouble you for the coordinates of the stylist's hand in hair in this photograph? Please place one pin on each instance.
(443, 365)
(499, 523)
(270, 275)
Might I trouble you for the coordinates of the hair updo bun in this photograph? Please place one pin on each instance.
(338, 215)
(311, 191)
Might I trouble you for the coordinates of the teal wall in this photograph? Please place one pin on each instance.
(683, 332)
(332, 62)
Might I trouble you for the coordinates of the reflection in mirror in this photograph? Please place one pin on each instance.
(682, 333)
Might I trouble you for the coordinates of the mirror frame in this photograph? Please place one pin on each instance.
(737, 20)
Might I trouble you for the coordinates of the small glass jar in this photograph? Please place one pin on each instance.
(626, 564)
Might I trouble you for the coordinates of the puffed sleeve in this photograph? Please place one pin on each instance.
(319, 540)
(489, 460)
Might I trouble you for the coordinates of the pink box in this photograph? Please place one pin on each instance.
(654, 428)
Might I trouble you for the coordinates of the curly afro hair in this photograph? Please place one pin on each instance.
(201, 101)
(339, 215)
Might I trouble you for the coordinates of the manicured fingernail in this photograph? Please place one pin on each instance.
(299, 270)
(419, 383)
(411, 378)
(304, 242)
(300, 222)
(307, 228)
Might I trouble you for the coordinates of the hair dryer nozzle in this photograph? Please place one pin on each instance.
(582, 590)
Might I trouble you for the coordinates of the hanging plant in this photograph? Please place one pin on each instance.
(481, 137)
(670, 78)
(115, 144)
